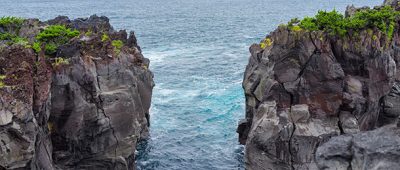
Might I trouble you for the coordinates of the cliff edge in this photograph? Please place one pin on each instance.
(74, 94)
(324, 92)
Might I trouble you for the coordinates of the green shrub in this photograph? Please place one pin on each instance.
(309, 24)
(6, 36)
(333, 22)
(54, 36)
(21, 41)
(296, 28)
(36, 47)
(50, 48)
(117, 45)
(7, 21)
(56, 33)
(13, 39)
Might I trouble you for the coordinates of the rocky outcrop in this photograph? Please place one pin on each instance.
(377, 149)
(305, 87)
(83, 107)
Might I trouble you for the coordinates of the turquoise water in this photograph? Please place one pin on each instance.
(198, 51)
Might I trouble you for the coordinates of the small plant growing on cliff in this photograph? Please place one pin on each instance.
(6, 36)
(267, 42)
(21, 41)
(36, 47)
(60, 61)
(89, 33)
(117, 45)
(293, 25)
(2, 77)
(104, 37)
(13, 39)
(54, 36)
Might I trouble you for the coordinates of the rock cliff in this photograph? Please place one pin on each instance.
(74, 94)
(313, 94)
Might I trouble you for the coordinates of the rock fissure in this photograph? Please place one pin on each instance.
(290, 147)
(100, 107)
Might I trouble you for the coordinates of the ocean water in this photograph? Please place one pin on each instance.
(198, 51)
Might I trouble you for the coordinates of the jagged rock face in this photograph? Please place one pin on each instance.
(87, 114)
(377, 149)
(306, 87)
(24, 143)
(102, 109)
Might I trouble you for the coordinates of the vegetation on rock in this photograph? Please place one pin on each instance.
(8, 22)
(267, 42)
(14, 39)
(36, 47)
(379, 18)
(60, 61)
(383, 18)
(53, 36)
(117, 44)
(2, 77)
(49, 38)
(104, 37)
(11, 26)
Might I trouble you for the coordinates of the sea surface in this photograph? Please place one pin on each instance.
(198, 51)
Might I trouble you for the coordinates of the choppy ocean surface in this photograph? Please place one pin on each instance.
(198, 51)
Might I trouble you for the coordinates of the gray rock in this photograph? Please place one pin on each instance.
(299, 113)
(377, 149)
(5, 117)
(306, 87)
(348, 122)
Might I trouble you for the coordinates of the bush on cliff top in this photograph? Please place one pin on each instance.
(54, 36)
(14, 39)
(11, 26)
(333, 22)
(8, 21)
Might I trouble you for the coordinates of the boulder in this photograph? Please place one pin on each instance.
(377, 149)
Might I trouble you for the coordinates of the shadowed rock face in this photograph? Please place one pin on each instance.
(306, 87)
(87, 114)
(377, 149)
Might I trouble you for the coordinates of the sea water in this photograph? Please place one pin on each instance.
(198, 51)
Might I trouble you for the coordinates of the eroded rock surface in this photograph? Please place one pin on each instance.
(306, 87)
(377, 149)
(87, 113)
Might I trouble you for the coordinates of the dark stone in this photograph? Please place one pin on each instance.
(306, 87)
(377, 149)
(87, 113)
